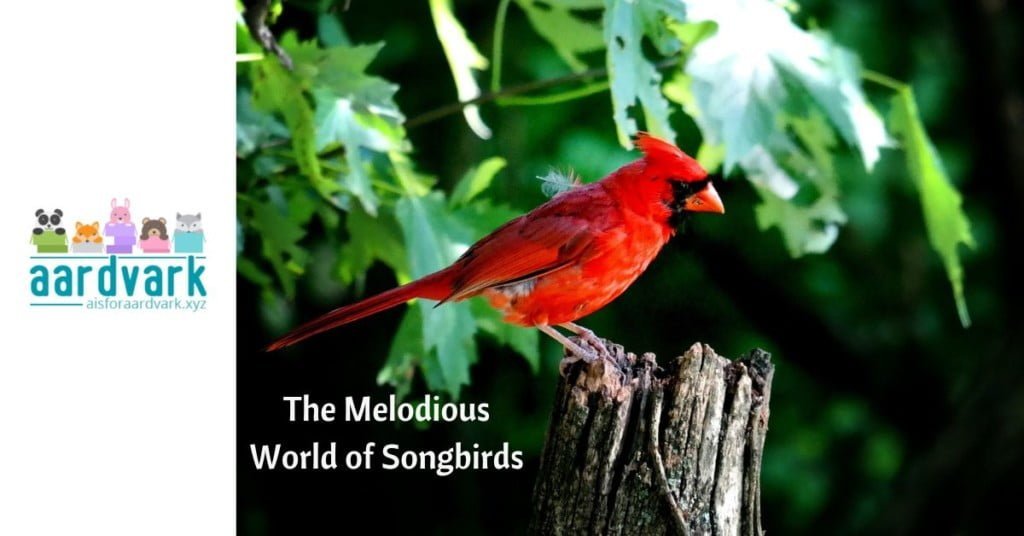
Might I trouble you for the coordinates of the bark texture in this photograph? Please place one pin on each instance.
(635, 449)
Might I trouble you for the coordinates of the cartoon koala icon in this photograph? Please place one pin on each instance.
(49, 236)
(154, 237)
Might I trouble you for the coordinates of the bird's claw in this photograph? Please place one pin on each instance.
(572, 357)
(597, 350)
(597, 344)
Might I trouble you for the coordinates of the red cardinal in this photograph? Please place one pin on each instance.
(566, 258)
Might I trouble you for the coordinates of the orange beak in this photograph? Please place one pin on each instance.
(706, 200)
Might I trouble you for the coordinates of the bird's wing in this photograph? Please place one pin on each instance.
(552, 237)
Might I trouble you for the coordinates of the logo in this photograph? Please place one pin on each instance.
(117, 265)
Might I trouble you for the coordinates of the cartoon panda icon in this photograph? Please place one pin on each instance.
(49, 236)
(49, 221)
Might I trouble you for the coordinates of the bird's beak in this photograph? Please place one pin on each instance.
(706, 200)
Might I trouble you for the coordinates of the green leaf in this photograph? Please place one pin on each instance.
(569, 35)
(773, 106)
(525, 341)
(432, 372)
(789, 174)
(805, 229)
(434, 240)
(463, 57)
(413, 183)
(280, 224)
(818, 138)
(634, 80)
(406, 352)
(742, 86)
(354, 109)
(276, 8)
(792, 173)
(338, 123)
(254, 128)
(811, 229)
(277, 90)
(580, 5)
(371, 239)
(481, 218)
(710, 157)
(837, 90)
(476, 180)
(330, 31)
(692, 33)
(944, 216)
(252, 272)
(342, 71)
(678, 90)
(656, 18)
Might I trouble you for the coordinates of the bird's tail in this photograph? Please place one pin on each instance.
(434, 287)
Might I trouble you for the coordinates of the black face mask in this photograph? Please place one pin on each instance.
(681, 191)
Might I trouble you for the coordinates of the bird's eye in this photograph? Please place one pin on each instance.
(682, 190)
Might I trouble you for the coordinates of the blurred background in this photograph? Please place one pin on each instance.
(887, 416)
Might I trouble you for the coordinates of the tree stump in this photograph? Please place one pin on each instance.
(637, 449)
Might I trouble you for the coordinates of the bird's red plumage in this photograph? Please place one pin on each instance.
(566, 258)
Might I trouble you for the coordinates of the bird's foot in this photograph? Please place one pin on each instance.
(590, 351)
(575, 354)
(596, 343)
(590, 339)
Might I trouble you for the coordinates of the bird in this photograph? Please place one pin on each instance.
(566, 258)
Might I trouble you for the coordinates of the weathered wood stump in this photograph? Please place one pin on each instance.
(637, 449)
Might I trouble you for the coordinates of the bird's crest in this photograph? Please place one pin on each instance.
(657, 148)
(665, 153)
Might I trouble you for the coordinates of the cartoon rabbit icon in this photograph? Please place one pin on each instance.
(120, 228)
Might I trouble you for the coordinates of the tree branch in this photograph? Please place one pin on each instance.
(456, 107)
(256, 20)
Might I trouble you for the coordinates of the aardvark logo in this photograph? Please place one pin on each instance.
(117, 264)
